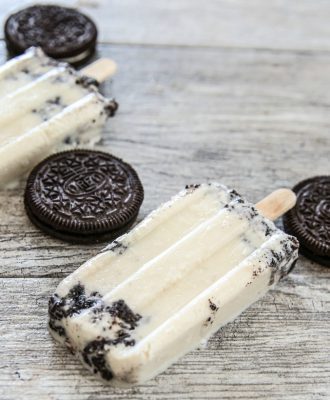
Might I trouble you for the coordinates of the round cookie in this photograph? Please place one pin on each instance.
(83, 196)
(63, 33)
(309, 220)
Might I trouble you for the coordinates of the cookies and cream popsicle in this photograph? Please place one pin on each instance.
(44, 103)
(156, 292)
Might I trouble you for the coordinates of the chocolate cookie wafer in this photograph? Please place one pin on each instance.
(309, 220)
(63, 33)
(83, 196)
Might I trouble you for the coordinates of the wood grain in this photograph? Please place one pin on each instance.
(194, 115)
(229, 91)
(298, 24)
(274, 24)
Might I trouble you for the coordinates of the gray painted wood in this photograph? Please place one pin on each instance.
(242, 112)
(254, 120)
(296, 24)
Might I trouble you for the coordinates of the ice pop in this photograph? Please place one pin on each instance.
(155, 293)
(44, 103)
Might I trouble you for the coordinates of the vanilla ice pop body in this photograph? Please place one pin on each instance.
(155, 293)
(44, 103)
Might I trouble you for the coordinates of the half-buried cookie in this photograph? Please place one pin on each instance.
(309, 220)
(83, 196)
(63, 33)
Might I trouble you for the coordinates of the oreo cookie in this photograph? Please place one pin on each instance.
(309, 220)
(63, 33)
(83, 196)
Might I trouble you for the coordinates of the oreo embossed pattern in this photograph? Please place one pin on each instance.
(309, 220)
(83, 196)
(63, 33)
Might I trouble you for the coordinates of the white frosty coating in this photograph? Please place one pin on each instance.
(192, 265)
(41, 106)
(17, 72)
(162, 228)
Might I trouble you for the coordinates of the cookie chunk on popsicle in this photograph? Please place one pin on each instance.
(156, 292)
(44, 104)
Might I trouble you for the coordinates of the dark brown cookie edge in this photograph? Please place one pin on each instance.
(73, 238)
(119, 221)
(292, 226)
(323, 260)
(16, 48)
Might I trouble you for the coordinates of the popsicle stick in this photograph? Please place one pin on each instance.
(277, 203)
(101, 69)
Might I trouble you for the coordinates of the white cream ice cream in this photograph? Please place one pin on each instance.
(156, 292)
(43, 104)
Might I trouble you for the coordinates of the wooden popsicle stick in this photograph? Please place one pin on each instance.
(101, 69)
(277, 203)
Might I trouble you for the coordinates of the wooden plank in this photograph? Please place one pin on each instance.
(194, 115)
(229, 110)
(278, 349)
(298, 24)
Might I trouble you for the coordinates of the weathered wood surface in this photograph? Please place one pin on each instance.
(295, 24)
(255, 119)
